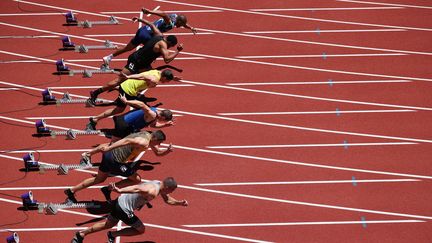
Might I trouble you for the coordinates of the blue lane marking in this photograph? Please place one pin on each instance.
(345, 144)
(363, 219)
(318, 31)
(330, 82)
(354, 182)
(337, 112)
(324, 55)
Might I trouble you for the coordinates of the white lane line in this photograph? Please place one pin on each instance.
(242, 60)
(308, 97)
(8, 89)
(58, 117)
(257, 158)
(41, 188)
(304, 223)
(41, 229)
(157, 7)
(303, 182)
(28, 14)
(310, 112)
(45, 151)
(252, 90)
(314, 42)
(167, 11)
(321, 9)
(19, 61)
(271, 124)
(308, 145)
(311, 204)
(122, 60)
(69, 9)
(386, 4)
(267, 198)
(156, 226)
(94, 87)
(293, 17)
(131, 35)
(320, 31)
(27, 36)
(321, 82)
(325, 55)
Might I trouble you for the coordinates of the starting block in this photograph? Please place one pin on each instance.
(69, 45)
(14, 238)
(62, 69)
(62, 169)
(52, 208)
(71, 19)
(88, 24)
(70, 134)
(29, 162)
(28, 202)
(49, 99)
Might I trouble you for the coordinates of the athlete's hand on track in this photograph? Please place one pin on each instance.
(135, 19)
(180, 47)
(123, 98)
(184, 203)
(145, 11)
(176, 78)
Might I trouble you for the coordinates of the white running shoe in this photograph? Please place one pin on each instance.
(107, 60)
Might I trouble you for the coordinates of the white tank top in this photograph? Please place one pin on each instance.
(129, 202)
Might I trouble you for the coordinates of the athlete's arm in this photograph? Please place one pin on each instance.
(187, 26)
(174, 202)
(158, 124)
(119, 143)
(167, 56)
(160, 13)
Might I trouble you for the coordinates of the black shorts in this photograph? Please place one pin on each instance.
(135, 66)
(118, 213)
(109, 165)
(120, 103)
(122, 129)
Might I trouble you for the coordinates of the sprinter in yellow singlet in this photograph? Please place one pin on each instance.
(131, 88)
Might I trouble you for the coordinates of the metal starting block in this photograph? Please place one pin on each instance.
(69, 45)
(52, 208)
(62, 69)
(62, 169)
(70, 134)
(84, 49)
(88, 24)
(14, 238)
(28, 202)
(49, 99)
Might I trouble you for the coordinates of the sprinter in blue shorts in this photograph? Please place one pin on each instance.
(145, 33)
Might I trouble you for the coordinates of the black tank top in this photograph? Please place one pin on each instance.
(145, 55)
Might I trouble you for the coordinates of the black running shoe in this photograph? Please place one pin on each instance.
(77, 238)
(107, 193)
(91, 125)
(111, 238)
(70, 195)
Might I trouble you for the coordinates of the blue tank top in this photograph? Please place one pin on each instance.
(135, 119)
(162, 26)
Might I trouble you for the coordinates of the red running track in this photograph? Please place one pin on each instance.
(315, 132)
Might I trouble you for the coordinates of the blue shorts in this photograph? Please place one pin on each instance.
(142, 35)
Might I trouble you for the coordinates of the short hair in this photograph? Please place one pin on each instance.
(181, 18)
(158, 135)
(172, 40)
(170, 183)
(167, 74)
(167, 114)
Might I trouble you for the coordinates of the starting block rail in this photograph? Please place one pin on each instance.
(43, 130)
(68, 45)
(49, 99)
(62, 69)
(71, 20)
(52, 208)
(63, 169)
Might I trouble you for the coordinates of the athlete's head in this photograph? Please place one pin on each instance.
(166, 115)
(158, 137)
(166, 76)
(169, 185)
(171, 40)
(181, 20)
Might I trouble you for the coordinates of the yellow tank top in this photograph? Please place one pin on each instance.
(134, 86)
